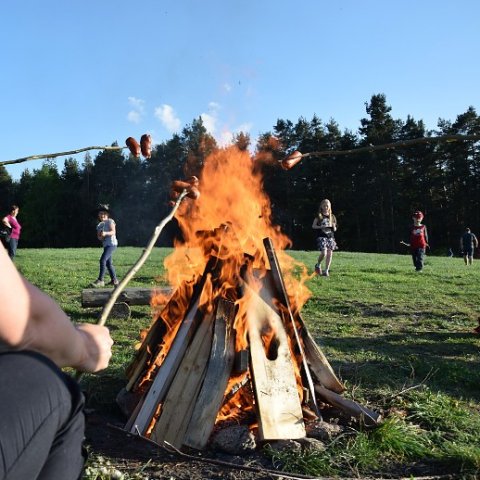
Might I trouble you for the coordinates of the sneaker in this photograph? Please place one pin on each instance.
(318, 269)
(114, 282)
(326, 274)
(97, 284)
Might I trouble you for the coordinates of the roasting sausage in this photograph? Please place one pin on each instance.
(291, 160)
(133, 146)
(146, 145)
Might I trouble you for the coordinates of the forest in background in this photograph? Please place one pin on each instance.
(373, 193)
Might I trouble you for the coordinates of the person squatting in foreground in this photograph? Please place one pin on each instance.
(418, 240)
(107, 234)
(325, 226)
(468, 244)
(42, 425)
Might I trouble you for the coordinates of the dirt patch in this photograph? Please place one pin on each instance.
(132, 455)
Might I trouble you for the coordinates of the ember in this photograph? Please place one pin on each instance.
(192, 372)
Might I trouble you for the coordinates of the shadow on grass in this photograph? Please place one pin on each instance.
(394, 360)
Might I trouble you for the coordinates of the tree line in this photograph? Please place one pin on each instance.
(373, 193)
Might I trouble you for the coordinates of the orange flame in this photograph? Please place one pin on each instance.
(227, 222)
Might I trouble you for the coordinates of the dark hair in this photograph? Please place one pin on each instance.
(103, 207)
(13, 207)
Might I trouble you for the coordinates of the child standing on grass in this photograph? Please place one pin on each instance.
(418, 240)
(325, 226)
(106, 233)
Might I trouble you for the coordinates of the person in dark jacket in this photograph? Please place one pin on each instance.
(468, 244)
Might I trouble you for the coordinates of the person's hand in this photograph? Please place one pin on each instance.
(97, 349)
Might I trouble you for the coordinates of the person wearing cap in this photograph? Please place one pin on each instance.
(107, 234)
(418, 240)
(468, 243)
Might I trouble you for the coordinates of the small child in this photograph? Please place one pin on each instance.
(106, 233)
(418, 240)
(325, 225)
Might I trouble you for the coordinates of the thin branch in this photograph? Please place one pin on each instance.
(59, 154)
(146, 253)
(430, 374)
(143, 257)
(393, 145)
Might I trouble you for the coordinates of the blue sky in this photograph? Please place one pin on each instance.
(81, 73)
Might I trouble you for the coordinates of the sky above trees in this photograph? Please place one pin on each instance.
(91, 73)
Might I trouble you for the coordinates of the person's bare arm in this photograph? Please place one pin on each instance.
(31, 320)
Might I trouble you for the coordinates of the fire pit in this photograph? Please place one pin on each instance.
(230, 345)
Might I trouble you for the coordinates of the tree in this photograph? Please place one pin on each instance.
(6, 190)
(40, 219)
(198, 144)
(379, 177)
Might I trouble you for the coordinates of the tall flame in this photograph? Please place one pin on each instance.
(232, 196)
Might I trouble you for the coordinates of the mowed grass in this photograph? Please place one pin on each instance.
(400, 340)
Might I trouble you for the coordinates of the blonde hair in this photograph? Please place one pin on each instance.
(325, 202)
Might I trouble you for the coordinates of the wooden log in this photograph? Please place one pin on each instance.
(97, 297)
(218, 373)
(315, 358)
(180, 400)
(277, 399)
(351, 408)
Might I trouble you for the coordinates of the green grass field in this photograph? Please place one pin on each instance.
(401, 341)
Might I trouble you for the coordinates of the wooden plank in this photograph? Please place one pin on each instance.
(98, 297)
(354, 409)
(152, 342)
(218, 373)
(180, 400)
(316, 360)
(277, 400)
(167, 370)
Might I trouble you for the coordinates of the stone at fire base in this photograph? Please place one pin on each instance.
(234, 440)
(323, 431)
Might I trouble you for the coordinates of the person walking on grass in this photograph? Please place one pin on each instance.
(468, 243)
(43, 424)
(418, 240)
(107, 234)
(325, 226)
(12, 223)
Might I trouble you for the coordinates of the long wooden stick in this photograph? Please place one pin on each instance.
(59, 154)
(146, 252)
(393, 145)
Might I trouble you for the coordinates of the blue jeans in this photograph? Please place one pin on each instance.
(106, 263)
(417, 256)
(12, 247)
(42, 426)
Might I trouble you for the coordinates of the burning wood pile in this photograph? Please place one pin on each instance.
(230, 345)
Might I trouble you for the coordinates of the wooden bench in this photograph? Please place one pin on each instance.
(98, 297)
